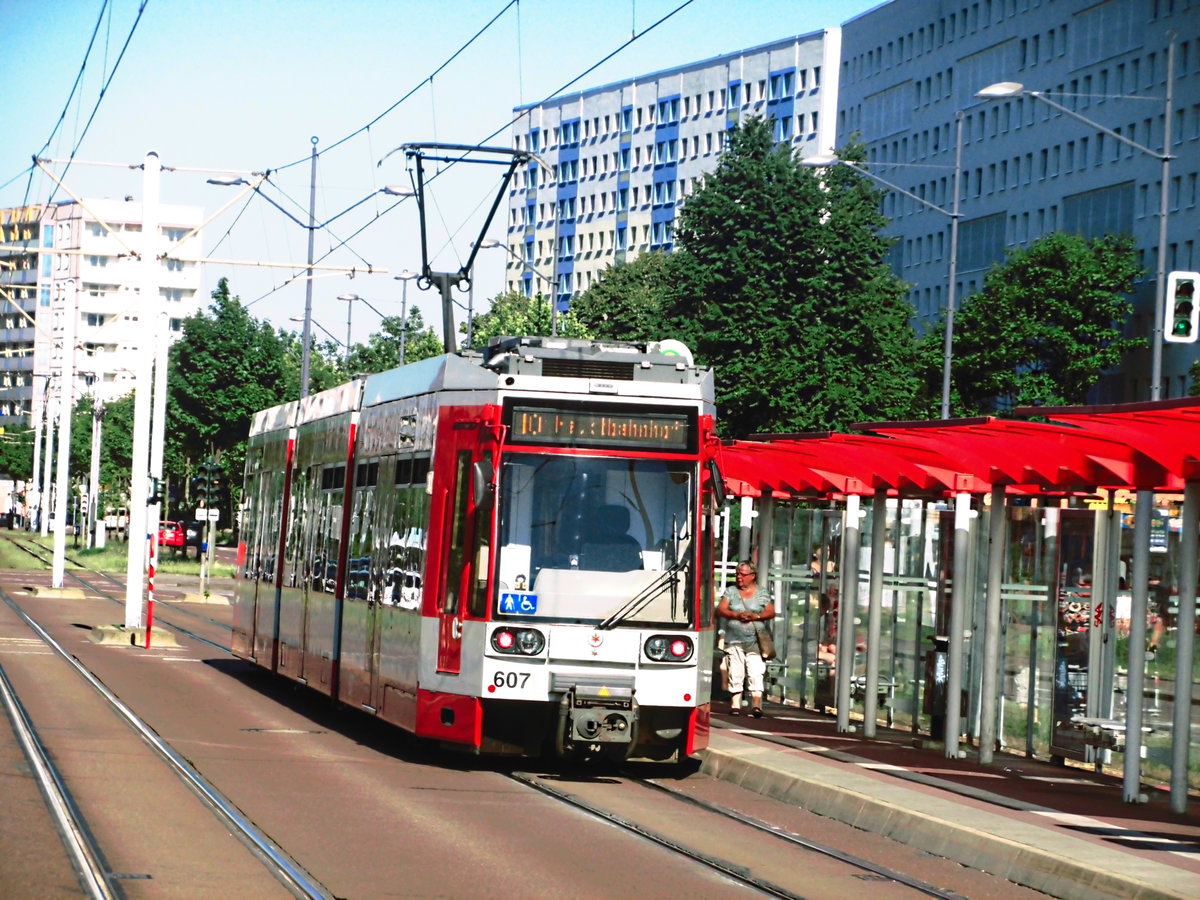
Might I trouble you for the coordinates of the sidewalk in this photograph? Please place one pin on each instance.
(1065, 831)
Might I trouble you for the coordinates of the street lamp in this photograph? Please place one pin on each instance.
(551, 286)
(404, 278)
(1004, 90)
(954, 214)
(333, 337)
(350, 300)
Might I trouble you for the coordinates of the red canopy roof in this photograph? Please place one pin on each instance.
(1153, 446)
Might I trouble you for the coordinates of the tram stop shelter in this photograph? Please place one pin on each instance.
(1011, 579)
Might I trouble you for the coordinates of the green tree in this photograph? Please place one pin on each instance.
(382, 350)
(783, 288)
(16, 453)
(1045, 326)
(628, 302)
(512, 313)
(226, 367)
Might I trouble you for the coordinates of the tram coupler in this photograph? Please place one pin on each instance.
(598, 715)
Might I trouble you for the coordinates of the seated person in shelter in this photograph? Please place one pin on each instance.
(606, 545)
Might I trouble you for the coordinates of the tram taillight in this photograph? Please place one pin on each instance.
(669, 648)
(520, 641)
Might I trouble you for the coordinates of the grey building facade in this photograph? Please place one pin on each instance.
(911, 67)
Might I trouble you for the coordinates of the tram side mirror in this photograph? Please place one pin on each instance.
(718, 483)
(481, 483)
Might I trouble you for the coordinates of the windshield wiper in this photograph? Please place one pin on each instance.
(642, 599)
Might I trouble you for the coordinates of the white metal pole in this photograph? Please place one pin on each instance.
(33, 496)
(139, 472)
(48, 452)
(94, 475)
(958, 612)
(875, 608)
(1143, 510)
(847, 607)
(1185, 637)
(989, 692)
(1160, 279)
(403, 317)
(952, 285)
(62, 481)
(159, 330)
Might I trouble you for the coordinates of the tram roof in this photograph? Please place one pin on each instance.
(1068, 449)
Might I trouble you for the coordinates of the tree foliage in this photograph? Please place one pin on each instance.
(628, 302)
(782, 287)
(225, 368)
(1045, 326)
(382, 350)
(512, 313)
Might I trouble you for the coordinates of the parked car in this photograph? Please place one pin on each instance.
(171, 534)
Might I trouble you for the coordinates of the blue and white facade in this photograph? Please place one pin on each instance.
(619, 160)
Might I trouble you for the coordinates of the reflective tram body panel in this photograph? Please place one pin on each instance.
(510, 553)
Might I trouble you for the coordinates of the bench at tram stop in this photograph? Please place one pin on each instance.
(884, 688)
(1108, 734)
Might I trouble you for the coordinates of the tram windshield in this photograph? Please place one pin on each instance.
(597, 540)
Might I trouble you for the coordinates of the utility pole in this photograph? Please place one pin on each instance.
(139, 475)
(66, 378)
(306, 340)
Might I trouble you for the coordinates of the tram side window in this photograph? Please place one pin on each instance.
(405, 533)
(295, 551)
(360, 583)
(326, 524)
(252, 510)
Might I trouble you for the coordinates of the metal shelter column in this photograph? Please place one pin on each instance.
(1135, 680)
(875, 610)
(958, 601)
(846, 607)
(1185, 637)
(989, 695)
(746, 508)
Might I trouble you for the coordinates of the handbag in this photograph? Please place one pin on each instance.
(766, 642)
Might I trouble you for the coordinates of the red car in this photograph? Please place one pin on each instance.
(171, 534)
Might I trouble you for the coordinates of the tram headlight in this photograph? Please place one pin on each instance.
(669, 648)
(518, 641)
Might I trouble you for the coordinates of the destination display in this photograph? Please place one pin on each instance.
(667, 430)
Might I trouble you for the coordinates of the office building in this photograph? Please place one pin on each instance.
(89, 251)
(624, 157)
(909, 67)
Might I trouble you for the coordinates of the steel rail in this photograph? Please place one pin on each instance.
(792, 838)
(736, 873)
(289, 872)
(81, 847)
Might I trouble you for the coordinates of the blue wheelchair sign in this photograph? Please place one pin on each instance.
(518, 603)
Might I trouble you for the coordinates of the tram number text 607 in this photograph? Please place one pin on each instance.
(510, 679)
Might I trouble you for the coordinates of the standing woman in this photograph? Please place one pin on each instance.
(743, 606)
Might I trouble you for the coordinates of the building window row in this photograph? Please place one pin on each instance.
(779, 86)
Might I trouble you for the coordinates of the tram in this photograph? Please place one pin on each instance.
(508, 551)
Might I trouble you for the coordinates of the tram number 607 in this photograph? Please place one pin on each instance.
(510, 679)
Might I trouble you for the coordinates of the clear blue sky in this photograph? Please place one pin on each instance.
(245, 86)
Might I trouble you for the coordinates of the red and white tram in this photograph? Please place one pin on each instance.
(510, 552)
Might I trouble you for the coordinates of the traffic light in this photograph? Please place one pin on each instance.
(1182, 318)
(207, 481)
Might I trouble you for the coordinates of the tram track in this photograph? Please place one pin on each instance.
(95, 876)
(696, 841)
(37, 552)
(78, 841)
